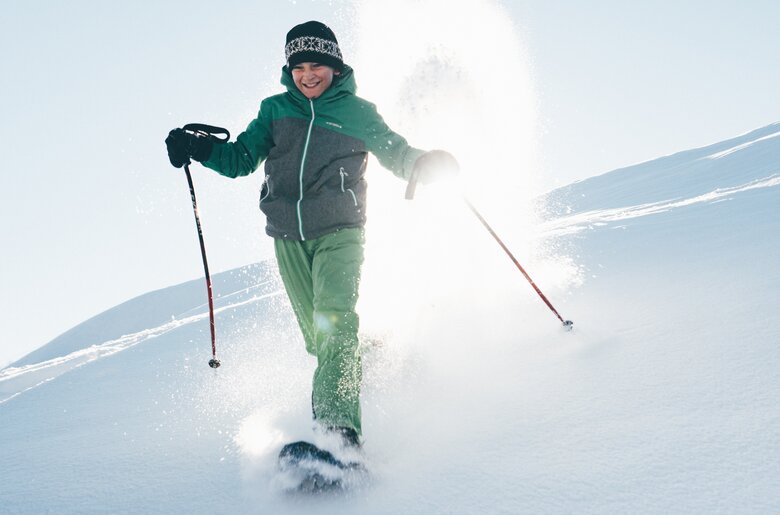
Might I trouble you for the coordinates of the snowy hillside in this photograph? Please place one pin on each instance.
(664, 399)
(723, 167)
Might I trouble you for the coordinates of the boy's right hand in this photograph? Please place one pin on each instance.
(436, 165)
(432, 166)
(183, 145)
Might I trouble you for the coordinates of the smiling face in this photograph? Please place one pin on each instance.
(312, 79)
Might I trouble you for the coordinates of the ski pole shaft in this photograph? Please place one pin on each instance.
(567, 324)
(213, 362)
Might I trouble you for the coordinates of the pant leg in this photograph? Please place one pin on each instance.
(295, 262)
(321, 278)
(338, 258)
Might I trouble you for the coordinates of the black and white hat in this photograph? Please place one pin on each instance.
(312, 42)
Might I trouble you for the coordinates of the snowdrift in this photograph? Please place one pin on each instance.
(663, 399)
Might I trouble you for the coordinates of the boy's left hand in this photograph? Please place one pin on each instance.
(436, 165)
(183, 145)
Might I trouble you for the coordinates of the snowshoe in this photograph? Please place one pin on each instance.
(310, 469)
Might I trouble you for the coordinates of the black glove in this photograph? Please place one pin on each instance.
(436, 165)
(183, 145)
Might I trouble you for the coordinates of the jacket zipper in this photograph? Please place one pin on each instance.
(300, 175)
(343, 174)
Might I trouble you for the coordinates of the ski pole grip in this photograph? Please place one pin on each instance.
(210, 131)
(411, 185)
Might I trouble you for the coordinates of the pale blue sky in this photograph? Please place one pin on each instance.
(94, 215)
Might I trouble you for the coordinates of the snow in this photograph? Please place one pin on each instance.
(663, 399)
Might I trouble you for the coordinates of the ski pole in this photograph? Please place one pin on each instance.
(208, 131)
(213, 362)
(567, 324)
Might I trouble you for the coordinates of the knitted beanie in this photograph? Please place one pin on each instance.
(312, 42)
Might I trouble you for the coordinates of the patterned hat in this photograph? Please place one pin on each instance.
(312, 42)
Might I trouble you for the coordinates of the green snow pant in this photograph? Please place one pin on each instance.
(321, 277)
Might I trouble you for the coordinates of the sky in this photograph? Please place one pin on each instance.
(94, 215)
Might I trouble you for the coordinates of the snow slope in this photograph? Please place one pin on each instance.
(663, 399)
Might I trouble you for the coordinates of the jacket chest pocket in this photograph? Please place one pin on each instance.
(264, 190)
(344, 175)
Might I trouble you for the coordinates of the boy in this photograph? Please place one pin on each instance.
(314, 139)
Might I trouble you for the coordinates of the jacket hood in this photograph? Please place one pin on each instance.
(343, 84)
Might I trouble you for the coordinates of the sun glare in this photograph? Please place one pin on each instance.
(454, 76)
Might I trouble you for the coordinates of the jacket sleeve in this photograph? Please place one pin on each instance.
(390, 148)
(251, 147)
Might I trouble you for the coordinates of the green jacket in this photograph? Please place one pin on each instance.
(315, 154)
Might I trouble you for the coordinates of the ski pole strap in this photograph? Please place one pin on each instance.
(411, 185)
(208, 131)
